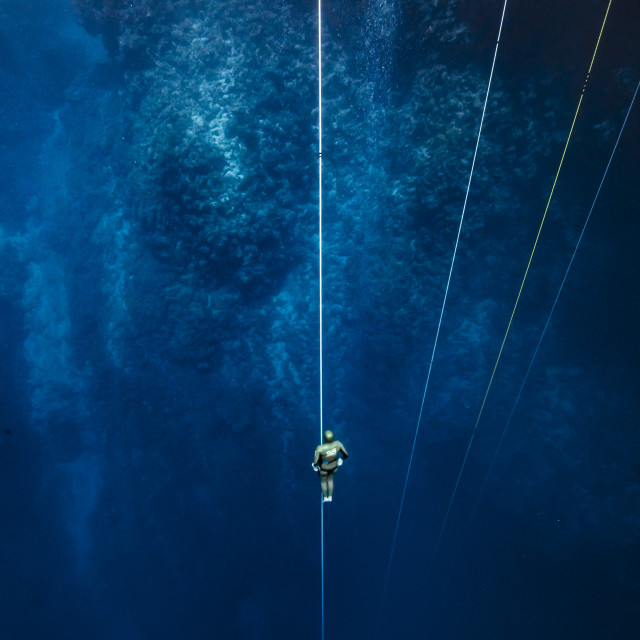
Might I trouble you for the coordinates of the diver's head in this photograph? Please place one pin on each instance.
(328, 436)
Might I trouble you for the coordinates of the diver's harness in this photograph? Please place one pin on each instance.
(329, 466)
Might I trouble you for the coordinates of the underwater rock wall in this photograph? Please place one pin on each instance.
(168, 281)
(183, 223)
(202, 197)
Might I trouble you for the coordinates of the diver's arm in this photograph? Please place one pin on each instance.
(343, 451)
(316, 459)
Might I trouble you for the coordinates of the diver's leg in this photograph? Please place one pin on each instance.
(324, 486)
(330, 487)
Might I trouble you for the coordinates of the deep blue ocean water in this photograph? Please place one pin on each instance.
(159, 320)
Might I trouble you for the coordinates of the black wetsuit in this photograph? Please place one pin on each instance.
(326, 457)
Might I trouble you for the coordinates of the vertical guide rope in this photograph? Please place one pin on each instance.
(444, 302)
(320, 194)
(515, 306)
(320, 288)
(553, 308)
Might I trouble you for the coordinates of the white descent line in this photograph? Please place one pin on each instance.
(320, 290)
(515, 306)
(320, 195)
(444, 302)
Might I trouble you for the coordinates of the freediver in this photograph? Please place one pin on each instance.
(326, 461)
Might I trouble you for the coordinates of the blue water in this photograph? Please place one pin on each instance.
(159, 314)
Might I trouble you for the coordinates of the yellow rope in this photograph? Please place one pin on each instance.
(544, 217)
(515, 306)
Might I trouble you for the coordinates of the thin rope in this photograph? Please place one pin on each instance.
(320, 292)
(553, 307)
(444, 302)
(526, 273)
(320, 195)
(322, 563)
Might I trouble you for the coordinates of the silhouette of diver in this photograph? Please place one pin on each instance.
(326, 461)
